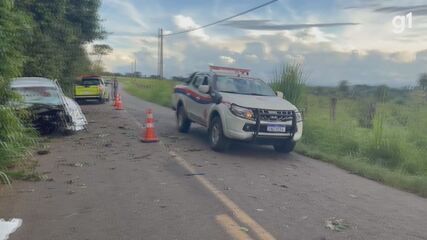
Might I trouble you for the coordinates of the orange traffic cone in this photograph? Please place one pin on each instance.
(119, 103)
(150, 135)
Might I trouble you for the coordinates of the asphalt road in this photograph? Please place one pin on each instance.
(105, 184)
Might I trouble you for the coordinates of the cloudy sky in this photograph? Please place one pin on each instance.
(336, 40)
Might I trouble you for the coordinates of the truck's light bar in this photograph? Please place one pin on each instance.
(229, 70)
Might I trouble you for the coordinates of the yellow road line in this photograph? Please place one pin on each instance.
(232, 228)
(240, 215)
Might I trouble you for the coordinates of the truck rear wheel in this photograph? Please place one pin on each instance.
(182, 120)
(217, 140)
(286, 146)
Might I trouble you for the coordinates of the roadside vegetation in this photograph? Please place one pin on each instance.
(39, 39)
(152, 90)
(373, 131)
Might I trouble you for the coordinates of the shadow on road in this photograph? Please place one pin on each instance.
(238, 149)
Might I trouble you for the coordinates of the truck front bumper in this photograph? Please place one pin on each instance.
(245, 130)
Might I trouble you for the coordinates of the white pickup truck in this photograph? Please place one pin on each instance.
(234, 106)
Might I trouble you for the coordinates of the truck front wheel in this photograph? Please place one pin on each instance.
(217, 140)
(286, 146)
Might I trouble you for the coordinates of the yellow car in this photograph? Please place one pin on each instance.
(91, 87)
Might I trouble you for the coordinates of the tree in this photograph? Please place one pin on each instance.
(99, 51)
(422, 81)
(60, 29)
(13, 32)
(344, 88)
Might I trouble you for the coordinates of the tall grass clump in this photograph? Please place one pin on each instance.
(15, 138)
(290, 79)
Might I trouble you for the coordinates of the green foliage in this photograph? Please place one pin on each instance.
(290, 79)
(13, 32)
(14, 137)
(40, 38)
(391, 151)
(344, 88)
(59, 31)
(152, 90)
(422, 82)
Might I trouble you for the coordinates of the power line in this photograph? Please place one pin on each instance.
(222, 20)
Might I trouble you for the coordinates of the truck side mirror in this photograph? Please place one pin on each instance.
(279, 94)
(216, 97)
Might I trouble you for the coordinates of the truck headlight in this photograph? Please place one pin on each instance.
(298, 116)
(242, 112)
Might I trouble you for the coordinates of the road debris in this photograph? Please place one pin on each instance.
(353, 196)
(259, 210)
(26, 190)
(77, 164)
(194, 174)
(9, 227)
(43, 152)
(193, 150)
(281, 185)
(46, 178)
(244, 229)
(143, 156)
(336, 224)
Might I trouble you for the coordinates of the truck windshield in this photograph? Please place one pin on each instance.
(245, 86)
(90, 82)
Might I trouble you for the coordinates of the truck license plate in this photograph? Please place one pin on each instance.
(275, 128)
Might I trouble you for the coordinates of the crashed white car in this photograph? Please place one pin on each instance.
(234, 106)
(51, 109)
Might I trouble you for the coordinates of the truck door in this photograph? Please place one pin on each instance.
(205, 101)
(193, 98)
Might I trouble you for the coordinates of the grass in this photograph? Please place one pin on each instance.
(15, 142)
(391, 151)
(152, 90)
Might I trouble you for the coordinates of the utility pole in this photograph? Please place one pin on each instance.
(134, 72)
(160, 54)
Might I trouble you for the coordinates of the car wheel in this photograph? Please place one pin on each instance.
(217, 140)
(285, 146)
(182, 120)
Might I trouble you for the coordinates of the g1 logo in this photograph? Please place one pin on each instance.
(400, 22)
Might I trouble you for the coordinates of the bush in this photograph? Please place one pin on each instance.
(290, 79)
(15, 138)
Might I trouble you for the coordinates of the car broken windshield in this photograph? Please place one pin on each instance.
(246, 86)
(39, 95)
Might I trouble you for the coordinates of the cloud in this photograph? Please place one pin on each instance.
(187, 23)
(263, 53)
(227, 59)
(129, 10)
(266, 25)
(395, 9)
